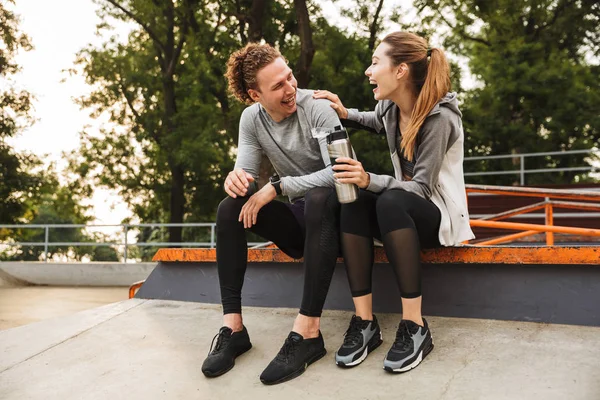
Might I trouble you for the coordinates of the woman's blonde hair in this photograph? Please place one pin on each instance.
(430, 73)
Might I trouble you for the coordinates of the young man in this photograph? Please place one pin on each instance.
(278, 124)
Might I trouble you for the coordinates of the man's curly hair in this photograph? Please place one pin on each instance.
(244, 64)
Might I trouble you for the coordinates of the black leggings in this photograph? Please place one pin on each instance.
(403, 221)
(308, 228)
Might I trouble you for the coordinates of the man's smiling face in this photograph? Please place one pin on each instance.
(277, 88)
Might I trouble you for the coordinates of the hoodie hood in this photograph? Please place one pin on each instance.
(449, 101)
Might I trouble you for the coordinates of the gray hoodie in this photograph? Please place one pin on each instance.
(438, 171)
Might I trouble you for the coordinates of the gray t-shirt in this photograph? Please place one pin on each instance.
(301, 161)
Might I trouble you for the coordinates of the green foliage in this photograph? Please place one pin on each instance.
(137, 151)
(30, 193)
(539, 90)
(173, 127)
(15, 181)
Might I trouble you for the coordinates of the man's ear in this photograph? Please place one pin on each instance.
(254, 95)
(402, 70)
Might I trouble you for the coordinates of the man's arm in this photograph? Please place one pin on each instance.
(249, 149)
(321, 115)
(247, 164)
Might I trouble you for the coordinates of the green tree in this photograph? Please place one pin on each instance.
(173, 128)
(15, 180)
(537, 64)
(30, 192)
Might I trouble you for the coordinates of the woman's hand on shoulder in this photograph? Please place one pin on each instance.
(349, 170)
(336, 103)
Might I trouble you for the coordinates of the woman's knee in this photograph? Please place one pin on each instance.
(392, 201)
(359, 206)
(357, 217)
(392, 210)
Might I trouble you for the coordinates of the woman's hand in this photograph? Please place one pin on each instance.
(351, 171)
(336, 103)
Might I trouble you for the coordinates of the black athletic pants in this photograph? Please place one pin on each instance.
(308, 228)
(403, 221)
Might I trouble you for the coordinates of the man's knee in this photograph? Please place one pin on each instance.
(230, 208)
(320, 203)
(318, 195)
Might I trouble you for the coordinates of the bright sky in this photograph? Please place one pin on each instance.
(58, 30)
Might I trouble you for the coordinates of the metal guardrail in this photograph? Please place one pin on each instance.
(522, 171)
(126, 227)
(125, 243)
(552, 198)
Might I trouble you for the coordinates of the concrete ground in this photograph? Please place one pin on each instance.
(146, 349)
(21, 305)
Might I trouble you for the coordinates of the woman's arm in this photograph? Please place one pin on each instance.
(368, 120)
(434, 142)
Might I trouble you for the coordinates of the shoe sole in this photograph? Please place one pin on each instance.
(222, 372)
(369, 349)
(298, 372)
(412, 365)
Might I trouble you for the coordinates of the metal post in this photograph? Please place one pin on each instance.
(212, 236)
(46, 244)
(550, 222)
(125, 251)
(522, 170)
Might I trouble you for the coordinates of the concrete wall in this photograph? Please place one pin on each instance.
(73, 274)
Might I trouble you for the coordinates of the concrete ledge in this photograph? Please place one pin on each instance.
(74, 274)
(568, 255)
(560, 294)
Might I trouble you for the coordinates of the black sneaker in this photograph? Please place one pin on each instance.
(294, 357)
(361, 338)
(222, 356)
(413, 343)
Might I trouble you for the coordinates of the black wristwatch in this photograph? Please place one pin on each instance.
(276, 182)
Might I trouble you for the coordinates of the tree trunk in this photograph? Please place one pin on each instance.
(255, 20)
(307, 49)
(177, 204)
(375, 27)
(177, 201)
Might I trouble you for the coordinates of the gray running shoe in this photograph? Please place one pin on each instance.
(413, 343)
(361, 338)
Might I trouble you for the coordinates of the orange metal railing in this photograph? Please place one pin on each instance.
(495, 221)
(134, 288)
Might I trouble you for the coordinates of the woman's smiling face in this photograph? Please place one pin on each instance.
(383, 73)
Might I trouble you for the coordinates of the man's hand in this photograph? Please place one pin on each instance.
(250, 210)
(237, 182)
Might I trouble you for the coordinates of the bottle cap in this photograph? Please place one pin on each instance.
(337, 134)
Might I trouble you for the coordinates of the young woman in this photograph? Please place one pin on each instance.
(423, 205)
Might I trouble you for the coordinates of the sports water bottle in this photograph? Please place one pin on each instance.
(338, 145)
